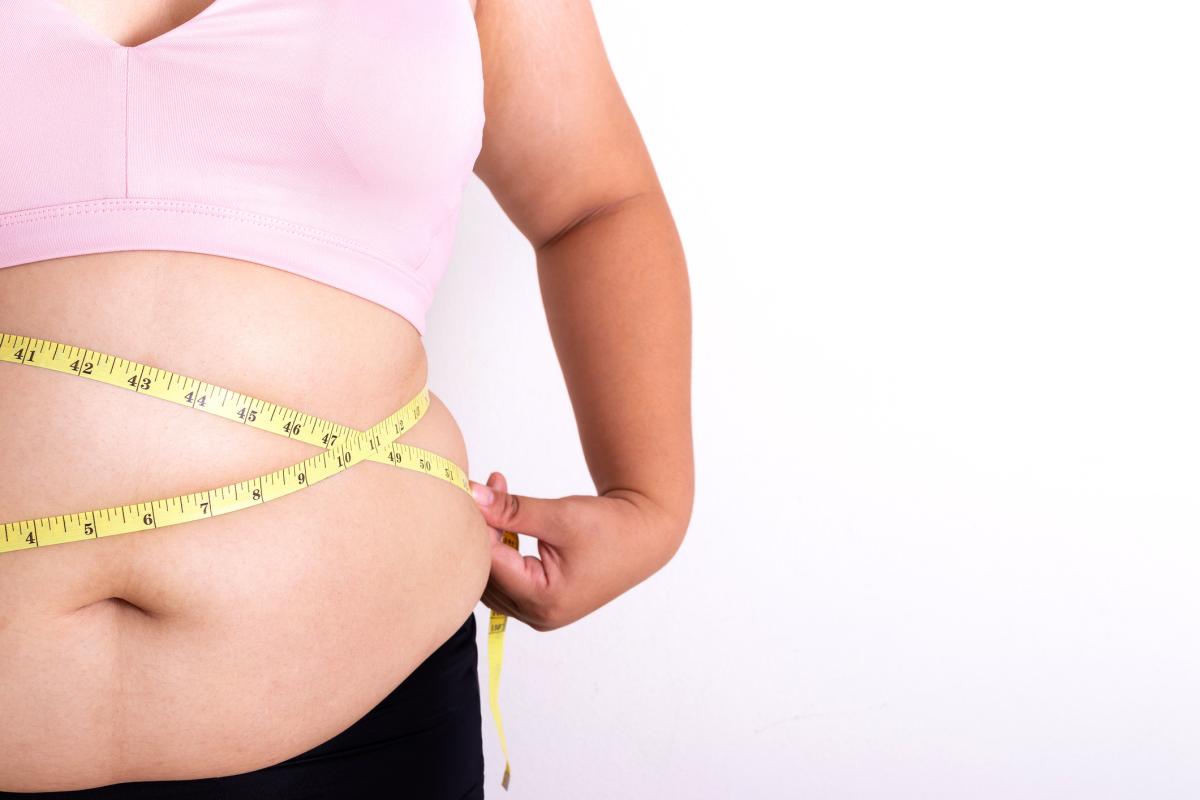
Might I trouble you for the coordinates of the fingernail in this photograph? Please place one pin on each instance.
(483, 494)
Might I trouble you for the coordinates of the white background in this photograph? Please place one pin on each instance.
(945, 541)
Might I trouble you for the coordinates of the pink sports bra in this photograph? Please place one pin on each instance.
(332, 140)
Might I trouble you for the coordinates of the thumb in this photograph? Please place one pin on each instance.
(535, 516)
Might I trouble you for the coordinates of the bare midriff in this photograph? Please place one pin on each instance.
(228, 644)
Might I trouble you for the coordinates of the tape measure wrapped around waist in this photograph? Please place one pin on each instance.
(342, 447)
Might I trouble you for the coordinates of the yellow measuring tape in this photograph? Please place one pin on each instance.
(342, 447)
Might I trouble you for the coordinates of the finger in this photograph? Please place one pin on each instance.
(496, 601)
(522, 579)
(493, 595)
(546, 519)
(504, 555)
(480, 491)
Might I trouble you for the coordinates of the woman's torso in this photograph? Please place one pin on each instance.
(228, 644)
(231, 643)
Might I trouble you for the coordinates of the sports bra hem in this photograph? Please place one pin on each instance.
(114, 224)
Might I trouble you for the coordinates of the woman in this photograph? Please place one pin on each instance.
(263, 194)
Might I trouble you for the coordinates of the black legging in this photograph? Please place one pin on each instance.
(423, 741)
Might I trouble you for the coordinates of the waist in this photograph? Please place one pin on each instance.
(359, 576)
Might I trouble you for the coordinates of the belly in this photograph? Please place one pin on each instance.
(232, 643)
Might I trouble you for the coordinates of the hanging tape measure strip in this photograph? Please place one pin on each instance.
(342, 447)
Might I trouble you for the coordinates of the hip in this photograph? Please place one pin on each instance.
(232, 643)
(422, 740)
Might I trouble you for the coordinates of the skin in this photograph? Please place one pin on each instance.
(173, 663)
(584, 193)
(613, 278)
